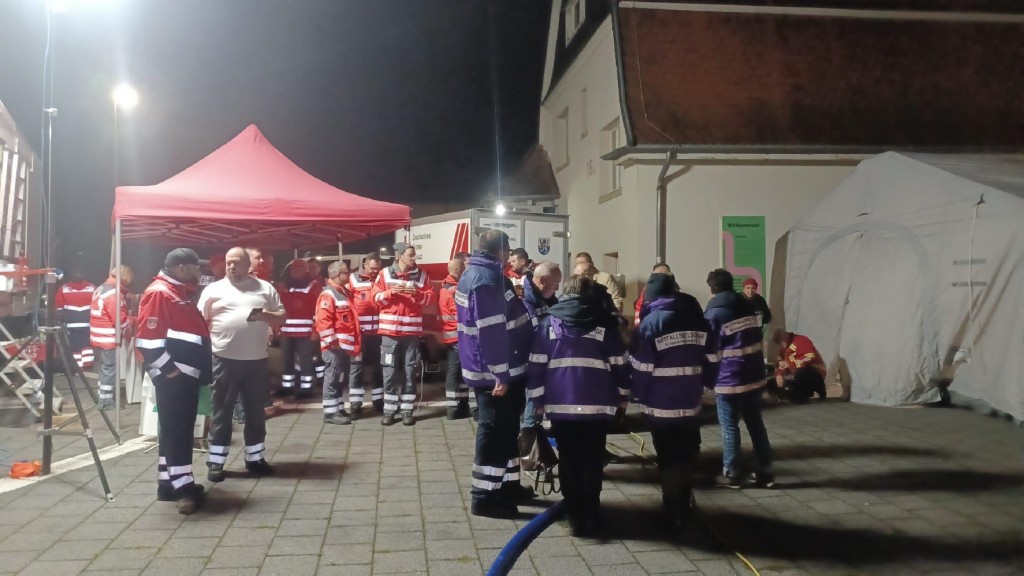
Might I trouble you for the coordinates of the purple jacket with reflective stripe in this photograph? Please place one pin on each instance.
(495, 330)
(674, 358)
(741, 365)
(578, 373)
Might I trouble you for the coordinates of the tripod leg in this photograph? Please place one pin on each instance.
(65, 343)
(68, 360)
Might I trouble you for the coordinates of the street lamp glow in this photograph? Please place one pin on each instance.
(125, 97)
(499, 209)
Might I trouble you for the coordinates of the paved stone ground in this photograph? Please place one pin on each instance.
(861, 491)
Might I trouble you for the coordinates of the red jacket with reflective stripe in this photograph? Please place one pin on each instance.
(449, 312)
(336, 320)
(401, 313)
(363, 302)
(102, 314)
(636, 313)
(171, 332)
(73, 302)
(299, 307)
(799, 353)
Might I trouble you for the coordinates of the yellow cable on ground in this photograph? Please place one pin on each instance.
(641, 441)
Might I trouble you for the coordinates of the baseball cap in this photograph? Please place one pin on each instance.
(180, 256)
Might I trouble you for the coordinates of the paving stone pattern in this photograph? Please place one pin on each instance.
(861, 491)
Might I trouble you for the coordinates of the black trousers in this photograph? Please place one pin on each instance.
(496, 463)
(301, 351)
(366, 366)
(232, 379)
(677, 444)
(177, 404)
(580, 465)
(807, 382)
(455, 389)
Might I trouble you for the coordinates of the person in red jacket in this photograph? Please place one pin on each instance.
(174, 344)
(519, 265)
(455, 388)
(366, 366)
(337, 327)
(73, 301)
(299, 292)
(800, 369)
(106, 317)
(401, 291)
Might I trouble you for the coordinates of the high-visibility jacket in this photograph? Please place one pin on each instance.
(449, 311)
(362, 301)
(336, 321)
(171, 333)
(299, 307)
(102, 314)
(73, 302)
(401, 313)
(800, 352)
(636, 312)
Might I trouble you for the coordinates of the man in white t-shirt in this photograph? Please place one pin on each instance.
(239, 309)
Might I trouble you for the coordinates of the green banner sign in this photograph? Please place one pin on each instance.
(743, 250)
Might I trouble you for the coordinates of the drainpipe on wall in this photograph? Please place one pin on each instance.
(661, 208)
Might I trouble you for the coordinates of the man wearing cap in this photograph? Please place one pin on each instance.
(495, 333)
(366, 366)
(764, 314)
(106, 317)
(174, 343)
(298, 292)
(401, 291)
(239, 310)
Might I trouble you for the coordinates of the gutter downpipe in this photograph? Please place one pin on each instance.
(661, 208)
(627, 124)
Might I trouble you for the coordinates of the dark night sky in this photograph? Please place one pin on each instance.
(389, 99)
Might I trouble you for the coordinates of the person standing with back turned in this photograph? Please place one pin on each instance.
(740, 379)
(495, 333)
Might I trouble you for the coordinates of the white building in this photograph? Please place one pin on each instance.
(745, 111)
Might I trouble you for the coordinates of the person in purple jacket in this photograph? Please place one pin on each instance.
(579, 377)
(740, 380)
(674, 353)
(495, 332)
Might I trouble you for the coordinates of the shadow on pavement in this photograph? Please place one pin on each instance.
(309, 470)
(920, 480)
(777, 538)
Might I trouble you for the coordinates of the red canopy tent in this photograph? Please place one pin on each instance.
(248, 192)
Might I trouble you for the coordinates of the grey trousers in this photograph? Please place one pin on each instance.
(336, 363)
(108, 361)
(396, 352)
(248, 379)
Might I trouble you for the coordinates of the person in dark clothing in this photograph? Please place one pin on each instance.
(674, 352)
(578, 375)
(764, 313)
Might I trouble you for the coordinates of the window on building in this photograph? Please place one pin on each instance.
(611, 171)
(560, 140)
(575, 14)
(583, 114)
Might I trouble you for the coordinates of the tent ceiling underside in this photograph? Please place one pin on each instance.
(274, 234)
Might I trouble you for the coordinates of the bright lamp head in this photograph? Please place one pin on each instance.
(125, 97)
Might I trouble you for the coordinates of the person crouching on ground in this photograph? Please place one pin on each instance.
(579, 377)
(673, 356)
(800, 371)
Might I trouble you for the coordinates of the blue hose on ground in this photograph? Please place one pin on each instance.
(514, 549)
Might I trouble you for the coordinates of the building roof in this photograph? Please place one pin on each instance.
(720, 78)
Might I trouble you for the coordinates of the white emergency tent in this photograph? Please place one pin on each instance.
(910, 273)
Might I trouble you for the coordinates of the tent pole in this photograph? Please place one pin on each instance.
(117, 326)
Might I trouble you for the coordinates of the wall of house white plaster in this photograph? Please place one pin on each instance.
(699, 198)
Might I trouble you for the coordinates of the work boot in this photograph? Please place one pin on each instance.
(378, 405)
(355, 408)
(493, 508)
(407, 418)
(106, 404)
(259, 468)
(165, 492)
(761, 479)
(731, 482)
(337, 418)
(191, 499)
(462, 410)
(387, 419)
(215, 472)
